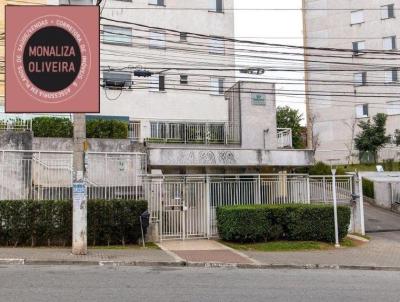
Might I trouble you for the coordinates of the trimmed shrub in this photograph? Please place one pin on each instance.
(52, 127)
(321, 168)
(101, 128)
(45, 223)
(368, 188)
(260, 223)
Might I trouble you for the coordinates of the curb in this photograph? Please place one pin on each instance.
(12, 261)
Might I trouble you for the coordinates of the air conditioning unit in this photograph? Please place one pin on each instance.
(113, 79)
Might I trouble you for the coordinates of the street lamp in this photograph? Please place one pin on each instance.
(335, 216)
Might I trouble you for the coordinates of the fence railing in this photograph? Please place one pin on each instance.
(201, 192)
(15, 124)
(41, 175)
(321, 188)
(395, 193)
(134, 132)
(193, 132)
(285, 139)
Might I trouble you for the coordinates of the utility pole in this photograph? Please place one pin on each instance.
(79, 200)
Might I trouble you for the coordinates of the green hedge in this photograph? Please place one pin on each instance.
(63, 127)
(260, 223)
(99, 128)
(368, 188)
(45, 223)
(52, 127)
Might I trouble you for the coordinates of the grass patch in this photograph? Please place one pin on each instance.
(149, 245)
(287, 246)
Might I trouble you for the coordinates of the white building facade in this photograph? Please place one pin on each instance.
(188, 113)
(353, 85)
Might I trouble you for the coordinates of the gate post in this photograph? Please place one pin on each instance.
(208, 208)
(358, 206)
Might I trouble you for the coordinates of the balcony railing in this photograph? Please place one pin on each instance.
(134, 133)
(15, 124)
(284, 138)
(193, 133)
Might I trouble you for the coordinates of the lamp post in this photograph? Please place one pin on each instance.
(335, 216)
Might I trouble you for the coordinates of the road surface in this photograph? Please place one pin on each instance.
(97, 284)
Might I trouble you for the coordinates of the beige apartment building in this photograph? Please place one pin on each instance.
(345, 87)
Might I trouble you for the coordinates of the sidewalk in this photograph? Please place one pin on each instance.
(382, 252)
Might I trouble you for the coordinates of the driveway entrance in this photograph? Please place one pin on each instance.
(380, 220)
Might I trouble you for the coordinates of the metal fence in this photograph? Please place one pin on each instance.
(41, 175)
(321, 188)
(395, 193)
(285, 139)
(185, 206)
(15, 124)
(193, 132)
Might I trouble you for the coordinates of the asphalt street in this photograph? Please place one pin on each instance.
(91, 283)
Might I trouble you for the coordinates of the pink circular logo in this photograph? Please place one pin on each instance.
(52, 59)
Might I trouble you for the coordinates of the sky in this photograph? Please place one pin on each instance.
(281, 27)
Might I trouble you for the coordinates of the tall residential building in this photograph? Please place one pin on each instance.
(189, 114)
(356, 84)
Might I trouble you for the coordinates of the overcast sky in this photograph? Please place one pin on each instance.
(282, 27)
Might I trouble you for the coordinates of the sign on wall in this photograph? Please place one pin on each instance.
(52, 59)
(258, 99)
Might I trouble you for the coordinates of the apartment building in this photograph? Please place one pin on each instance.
(354, 85)
(178, 89)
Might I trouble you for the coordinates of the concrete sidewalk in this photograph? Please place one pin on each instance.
(382, 252)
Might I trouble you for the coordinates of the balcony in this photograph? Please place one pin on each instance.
(285, 140)
(203, 133)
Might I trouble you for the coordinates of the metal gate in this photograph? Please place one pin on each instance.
(185, 206)
(179, 205)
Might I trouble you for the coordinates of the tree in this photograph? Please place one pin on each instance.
(397, 137)
(373, 135)
(291, 118)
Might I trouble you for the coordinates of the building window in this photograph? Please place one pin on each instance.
(117, 35)
(184, 79)
(387, 11)
(113, 79)
(183, 37)
(217, 86)
(360, 79)
(217, 46)
(157, 2)
(157, 39)
(391, 75)
(362, 111)
(358, 47)
(357, 17)
(393, 107)
(157, 82)
(389, 43)
(217, 6)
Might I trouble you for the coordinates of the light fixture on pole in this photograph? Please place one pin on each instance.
(335, 216)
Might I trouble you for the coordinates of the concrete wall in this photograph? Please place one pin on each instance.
(180, 157)
(12, 140)
(334, 115)
(258, 121)
(95, 145)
